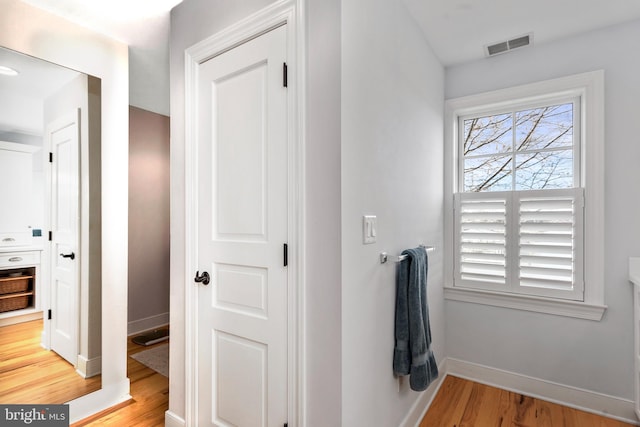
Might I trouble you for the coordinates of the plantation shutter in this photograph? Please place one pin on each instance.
(550, 242)
(527, 242)
(481, 222)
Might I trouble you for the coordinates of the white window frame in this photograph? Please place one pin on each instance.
(589, 89)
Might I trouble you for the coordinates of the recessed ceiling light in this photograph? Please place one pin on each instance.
(6, 71)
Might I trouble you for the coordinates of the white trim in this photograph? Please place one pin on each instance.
(558, 307)
(109, 396)
(573, 397)
(172, 420)
(291, 13)
(21, 148)
(151, 322)
(88, 368)
(590, 87)
(21, 318)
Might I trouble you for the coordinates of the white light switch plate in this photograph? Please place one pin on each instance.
(369, 229)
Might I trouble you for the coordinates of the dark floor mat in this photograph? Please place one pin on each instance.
(152, 337)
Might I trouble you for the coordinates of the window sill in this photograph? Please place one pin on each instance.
(558, 307)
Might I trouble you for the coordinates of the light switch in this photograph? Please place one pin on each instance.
(369, 232)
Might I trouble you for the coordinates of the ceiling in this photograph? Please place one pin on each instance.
(457, 30)
(141, 24)
(21, 106)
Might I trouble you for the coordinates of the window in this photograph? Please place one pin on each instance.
(518, 208)
(524, 165)
(531, 149)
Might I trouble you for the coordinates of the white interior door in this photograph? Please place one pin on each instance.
(242, 229)
(64, 137)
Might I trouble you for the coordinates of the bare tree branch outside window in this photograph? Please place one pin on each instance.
(523, 150)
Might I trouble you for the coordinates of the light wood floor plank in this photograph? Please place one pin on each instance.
(30, 374)
(450, 402)
(150, 397)
(463, 403)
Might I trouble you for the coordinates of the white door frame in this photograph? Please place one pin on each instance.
(289, 12)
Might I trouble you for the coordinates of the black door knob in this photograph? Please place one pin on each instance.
(202, 278)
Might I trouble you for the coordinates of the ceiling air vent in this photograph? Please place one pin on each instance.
(506, 46)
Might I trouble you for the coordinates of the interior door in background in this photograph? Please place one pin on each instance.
(64, 292)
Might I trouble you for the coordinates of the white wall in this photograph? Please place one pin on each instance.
(392, 129)
(591, 355)
(322, 249)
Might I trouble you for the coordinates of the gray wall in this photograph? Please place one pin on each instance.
(591, 355)
(148, 219)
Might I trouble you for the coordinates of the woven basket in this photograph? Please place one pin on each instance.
(10, 285)
(14, 303)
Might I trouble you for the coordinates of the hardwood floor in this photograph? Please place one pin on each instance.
(31, 374)
(462, 403)
(150, 397)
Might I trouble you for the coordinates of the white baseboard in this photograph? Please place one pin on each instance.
(573, 397)
(421, 405)
(21, 318)
(172, 420)
(141, 325)
(88, 368)
(92, 403)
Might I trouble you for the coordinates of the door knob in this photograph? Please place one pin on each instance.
(202, 278)
(71, 255)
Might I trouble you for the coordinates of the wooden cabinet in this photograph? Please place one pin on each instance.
(17, 289)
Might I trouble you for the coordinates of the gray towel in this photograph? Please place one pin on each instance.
(412, 353)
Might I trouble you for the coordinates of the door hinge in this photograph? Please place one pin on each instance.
(49, 314)
(285, 254)
(285, 77)
(50, 157)
(50, 235)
